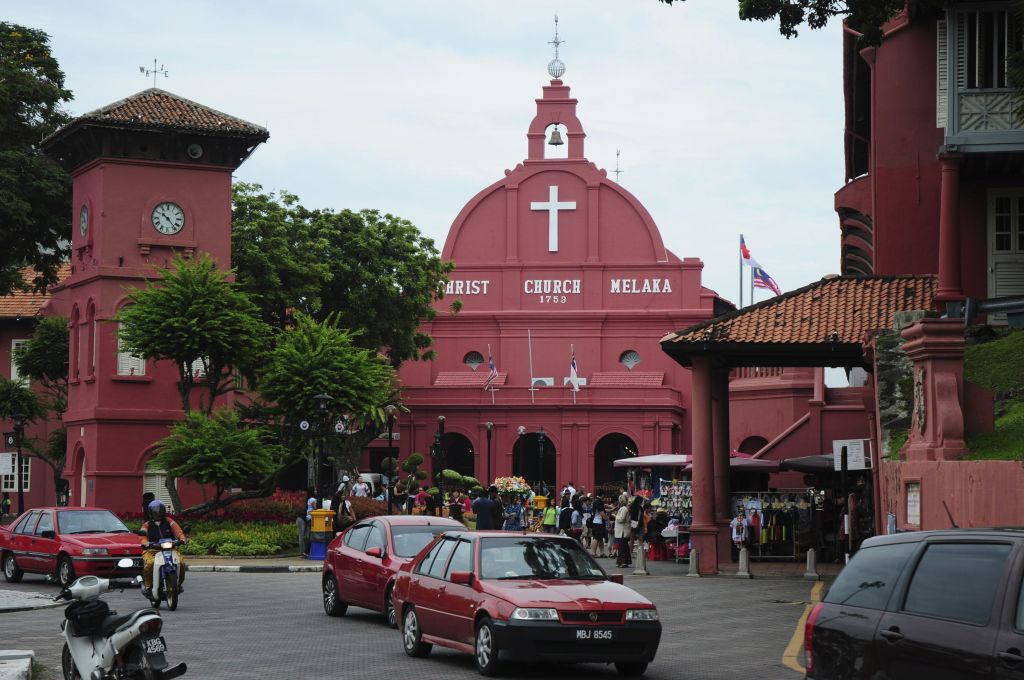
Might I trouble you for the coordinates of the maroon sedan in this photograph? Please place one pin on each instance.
(68, 543)
(535, 597)
(362, 562)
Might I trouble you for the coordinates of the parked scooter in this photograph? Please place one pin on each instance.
(101, 645)
(166, 573)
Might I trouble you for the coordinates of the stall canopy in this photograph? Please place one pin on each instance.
(823, 463)
(657, 460)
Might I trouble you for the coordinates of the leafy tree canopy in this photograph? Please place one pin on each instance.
(17, 397)
(865, 16)
(375, 272)
(194, 314)
(44, 359)
(35, 192)
(218, 451)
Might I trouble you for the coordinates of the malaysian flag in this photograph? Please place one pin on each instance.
(574, 379)
(492, 374)
(763, 280)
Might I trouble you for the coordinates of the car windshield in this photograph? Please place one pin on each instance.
(409, 540)
(90, 522)
(536, 558)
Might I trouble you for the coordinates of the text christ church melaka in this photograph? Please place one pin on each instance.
(554, 258)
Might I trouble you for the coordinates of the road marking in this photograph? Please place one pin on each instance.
(789, 655)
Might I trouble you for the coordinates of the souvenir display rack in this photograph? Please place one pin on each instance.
(779, 523)
(677, 500)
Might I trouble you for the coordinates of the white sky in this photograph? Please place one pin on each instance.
(412, 107)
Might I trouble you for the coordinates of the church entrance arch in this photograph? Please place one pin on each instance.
(534, 463)
(458, 454)
(609, 449)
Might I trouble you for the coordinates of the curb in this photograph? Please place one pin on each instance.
(29, 608)
(257, 568)
(16, 664)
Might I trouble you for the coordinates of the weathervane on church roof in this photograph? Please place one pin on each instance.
(153, 71)
(555, 67)
(616, 170)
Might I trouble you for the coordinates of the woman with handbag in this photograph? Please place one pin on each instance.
(622, 533)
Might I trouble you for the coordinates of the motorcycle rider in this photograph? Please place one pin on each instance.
(159, 527)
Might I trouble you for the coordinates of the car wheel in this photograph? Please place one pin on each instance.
(389, 607)
(12, 574)
(412, 636)
(333, 605)
(67, 665)
(631, 669)
(65, 571)
(485, 651)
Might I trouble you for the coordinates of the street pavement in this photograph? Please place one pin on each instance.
(271, 625)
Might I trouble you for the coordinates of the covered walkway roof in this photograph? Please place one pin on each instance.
(822, 324)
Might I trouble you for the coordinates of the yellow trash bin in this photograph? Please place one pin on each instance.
(322, 522)
(540, 502)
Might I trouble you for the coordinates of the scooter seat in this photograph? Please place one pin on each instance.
(114, 623)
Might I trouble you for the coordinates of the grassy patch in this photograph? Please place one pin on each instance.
(896, 441)
(1007, 442)
(998, 364)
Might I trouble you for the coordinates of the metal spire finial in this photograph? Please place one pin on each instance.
(617, 171)
(555, 67)
(153, 71)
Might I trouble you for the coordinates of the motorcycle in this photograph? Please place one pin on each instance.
(166, 573)
(101, 645)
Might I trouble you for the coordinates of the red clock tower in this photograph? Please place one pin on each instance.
(152, 178)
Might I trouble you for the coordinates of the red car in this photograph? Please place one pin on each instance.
(362, 562)
(68, 543)
(535, 597)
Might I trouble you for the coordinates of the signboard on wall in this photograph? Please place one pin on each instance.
(7, 463)
(856, 455)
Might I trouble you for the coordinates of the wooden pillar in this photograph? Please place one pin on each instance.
(721, 448)
(950, 288)
(703, 531)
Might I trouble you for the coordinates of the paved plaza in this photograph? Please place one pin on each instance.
(244, 625)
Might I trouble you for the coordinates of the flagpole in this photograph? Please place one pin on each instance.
(490, 359)
(529, 345)
(741, 272)
(751, 286)
(572, 353)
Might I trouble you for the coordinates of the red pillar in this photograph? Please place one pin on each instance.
(720, 426)
(703, 530)
(949, 229)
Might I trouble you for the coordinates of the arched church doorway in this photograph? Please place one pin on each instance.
(752, 445)
(533, 459)
(458, 454)
(609, 449)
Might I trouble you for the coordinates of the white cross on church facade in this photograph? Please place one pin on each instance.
(553, 206)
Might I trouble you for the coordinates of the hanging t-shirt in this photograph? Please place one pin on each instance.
(739, 529)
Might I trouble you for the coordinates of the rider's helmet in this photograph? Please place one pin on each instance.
(157, 510)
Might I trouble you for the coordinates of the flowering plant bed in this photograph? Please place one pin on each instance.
(512, 485)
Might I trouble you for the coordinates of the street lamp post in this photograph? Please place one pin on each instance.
(19, 432)
(490, 426)
(540, 455)
(521, 431)
(321, 400)
(439, 458)
(391, 410)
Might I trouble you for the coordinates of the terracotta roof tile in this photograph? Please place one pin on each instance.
(22, 304)
(157, 109)
(836, 310)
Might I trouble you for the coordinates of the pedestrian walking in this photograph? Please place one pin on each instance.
(587, 513)
(483, 508)
(5, 506)
(600, 528)
(565, 514)
(513, 514)
(455, 506)
(550, 519)
(344, 513)
(360, 489)
(622, 532)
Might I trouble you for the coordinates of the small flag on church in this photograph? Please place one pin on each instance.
(763, 280)
(574, 379)
(492, 374)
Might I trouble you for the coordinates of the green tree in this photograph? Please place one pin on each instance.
(864, 16)
(194, 314)
(218, 450)
(17, 397)
(44, 359)
(35, 192)
(314, 358)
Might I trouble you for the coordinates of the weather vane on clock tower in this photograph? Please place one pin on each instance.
(156, 71)
(556, 67)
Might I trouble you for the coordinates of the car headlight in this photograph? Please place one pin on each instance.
(641, 614)
(94, 551)
(532, 614)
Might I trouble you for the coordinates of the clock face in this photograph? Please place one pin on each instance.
(168, 218)
(83, 219)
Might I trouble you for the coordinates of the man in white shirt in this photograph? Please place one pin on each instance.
(360, 489)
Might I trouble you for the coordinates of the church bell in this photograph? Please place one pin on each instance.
(556, 138)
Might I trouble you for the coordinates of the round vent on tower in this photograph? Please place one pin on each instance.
(630, 358)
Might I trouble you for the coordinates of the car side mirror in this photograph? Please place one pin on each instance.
(375, 551)
(615, 578)
(462, 578)
(49, 533)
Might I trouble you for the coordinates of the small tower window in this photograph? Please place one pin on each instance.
(474, 360)
(630, 358)
(128, 363)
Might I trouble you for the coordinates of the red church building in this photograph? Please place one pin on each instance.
(554, 260)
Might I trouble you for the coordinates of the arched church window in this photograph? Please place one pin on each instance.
(91, 321)
(474, 360)
(128, 363)
(75, 344)
(629, 358)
